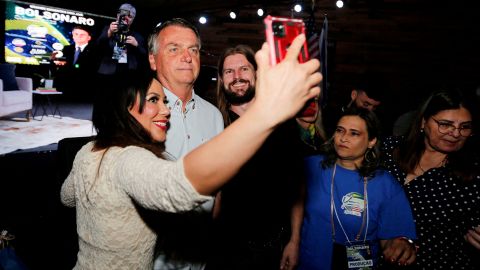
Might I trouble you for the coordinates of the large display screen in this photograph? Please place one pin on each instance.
(33, 32)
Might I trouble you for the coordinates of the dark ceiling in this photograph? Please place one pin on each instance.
(416, 45)
(398, 29)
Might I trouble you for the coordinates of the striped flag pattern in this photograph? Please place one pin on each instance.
(313, 35)
(317, 48)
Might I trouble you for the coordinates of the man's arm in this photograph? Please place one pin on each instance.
(105, 40)
(138, 43)
(291, 251)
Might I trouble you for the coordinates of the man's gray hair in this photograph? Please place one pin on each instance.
(152, 40)
(130, 8)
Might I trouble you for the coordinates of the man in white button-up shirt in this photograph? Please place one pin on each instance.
(174, 53)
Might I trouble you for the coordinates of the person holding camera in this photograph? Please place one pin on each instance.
(120, 48)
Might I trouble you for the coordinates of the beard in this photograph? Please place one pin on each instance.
(238, 99)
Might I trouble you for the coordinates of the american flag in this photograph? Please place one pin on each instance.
(317, 48)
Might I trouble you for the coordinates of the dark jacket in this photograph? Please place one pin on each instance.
(75, 78)
(136, 56)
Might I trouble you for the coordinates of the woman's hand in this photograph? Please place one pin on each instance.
(473, 237)
(290, 256)
(398, 250)
(282, 90)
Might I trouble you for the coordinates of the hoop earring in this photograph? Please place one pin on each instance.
(370, 155)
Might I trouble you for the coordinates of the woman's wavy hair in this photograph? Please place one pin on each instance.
(222, 103)
(371, 161)
(410, 151)
(114, 124)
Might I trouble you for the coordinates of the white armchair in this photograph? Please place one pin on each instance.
(17, 100)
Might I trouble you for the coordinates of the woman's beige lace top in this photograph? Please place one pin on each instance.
(112, 235)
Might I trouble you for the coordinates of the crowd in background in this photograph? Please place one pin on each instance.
(327, 188)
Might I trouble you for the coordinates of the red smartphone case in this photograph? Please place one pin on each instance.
(280, 33)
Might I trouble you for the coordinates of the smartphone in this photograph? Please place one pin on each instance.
(280, 33)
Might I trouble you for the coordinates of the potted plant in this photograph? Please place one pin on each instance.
(45, 82)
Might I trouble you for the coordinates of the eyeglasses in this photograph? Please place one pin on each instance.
(448, 128)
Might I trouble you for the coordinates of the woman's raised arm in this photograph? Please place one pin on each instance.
(281, 91)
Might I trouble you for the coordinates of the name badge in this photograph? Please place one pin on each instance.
(359, 255)
(123, 57)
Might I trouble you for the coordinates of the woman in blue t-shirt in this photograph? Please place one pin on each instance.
(352, 207)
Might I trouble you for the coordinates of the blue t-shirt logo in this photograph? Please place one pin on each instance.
(353, 204)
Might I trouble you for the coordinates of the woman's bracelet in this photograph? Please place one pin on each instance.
(410, 241)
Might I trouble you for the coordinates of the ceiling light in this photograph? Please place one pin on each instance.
(339, 3)
(202, 20)
(297, 8)
(233, 15)
(260, 12)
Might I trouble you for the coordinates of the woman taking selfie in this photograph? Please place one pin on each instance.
(439, 171)
(353, 207)
(122, 171)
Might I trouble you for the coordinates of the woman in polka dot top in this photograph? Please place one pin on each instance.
(440, 174)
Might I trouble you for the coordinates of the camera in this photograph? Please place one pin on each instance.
(121, 34)
(122, 23)
(278, 29)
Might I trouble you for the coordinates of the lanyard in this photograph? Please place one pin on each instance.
(334, 210)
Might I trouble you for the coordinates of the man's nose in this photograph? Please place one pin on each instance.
(236, 74)
(186, 56)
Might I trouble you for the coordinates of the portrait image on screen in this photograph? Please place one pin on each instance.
(33, 32)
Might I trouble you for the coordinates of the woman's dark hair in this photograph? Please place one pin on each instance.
(371, 161)
(410, 151)
(114, 124)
